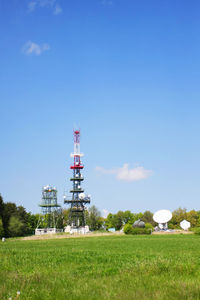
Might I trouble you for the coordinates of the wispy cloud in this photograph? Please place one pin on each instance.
(106, 2)
(32, 6)
(33, 48)
(57, 10)
(125, 173)
(50, 4)
(46, 3)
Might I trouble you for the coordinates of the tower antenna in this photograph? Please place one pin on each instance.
(77, 222)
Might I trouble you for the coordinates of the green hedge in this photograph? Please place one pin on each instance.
(128, 229)
(149, 226)
(196, 230)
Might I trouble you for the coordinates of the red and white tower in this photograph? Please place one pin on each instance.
(77, 154)
(79, 199)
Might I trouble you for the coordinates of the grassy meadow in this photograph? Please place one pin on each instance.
(107, 267)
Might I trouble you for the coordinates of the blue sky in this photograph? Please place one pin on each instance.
(125, 72)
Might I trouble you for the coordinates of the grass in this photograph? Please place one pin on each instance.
(110, 267)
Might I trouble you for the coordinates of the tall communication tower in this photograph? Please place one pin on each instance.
(49, 206)
(78, 199)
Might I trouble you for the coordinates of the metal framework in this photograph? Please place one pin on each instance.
(49, 206)
(79, 199)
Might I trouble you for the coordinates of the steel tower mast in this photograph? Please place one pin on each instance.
(49, 205)
(47, 222)
(79, 199)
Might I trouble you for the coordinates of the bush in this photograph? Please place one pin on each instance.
(141, 231)
(196, 230)
(149, 226)
(128, 229)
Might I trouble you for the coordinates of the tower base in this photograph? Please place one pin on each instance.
(41, 231)
(77, 230)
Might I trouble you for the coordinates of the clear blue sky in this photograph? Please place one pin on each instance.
(127, 72)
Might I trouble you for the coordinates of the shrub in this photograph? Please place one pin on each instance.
(141, 231)
(149, 226)
(196, 230)
(128, 229)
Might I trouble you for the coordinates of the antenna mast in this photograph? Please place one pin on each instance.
(79, 199)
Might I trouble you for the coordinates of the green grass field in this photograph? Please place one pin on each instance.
(111, 267)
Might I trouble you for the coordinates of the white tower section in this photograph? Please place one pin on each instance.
(77, 151)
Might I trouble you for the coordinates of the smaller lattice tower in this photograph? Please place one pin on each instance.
(78, 199)
(49, 207)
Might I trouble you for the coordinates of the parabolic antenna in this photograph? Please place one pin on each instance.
(162, 216)
(81, 196)
(185, 225)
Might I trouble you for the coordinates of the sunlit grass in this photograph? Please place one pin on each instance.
(111, 267)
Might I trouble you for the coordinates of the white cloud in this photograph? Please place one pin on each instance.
(51, 4)
(126, 174)
(33, 48)
(105, 213)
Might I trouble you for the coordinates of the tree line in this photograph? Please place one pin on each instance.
(15, 221)
(121, 218)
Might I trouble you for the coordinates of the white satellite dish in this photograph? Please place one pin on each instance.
(162, 216)
(81, 196)
(185, 225)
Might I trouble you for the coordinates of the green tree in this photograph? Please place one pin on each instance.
(198, 222)
(24, 217)
(10, 209)
(137, 216)
(178, 215)
(128, 217)
(1, 206)
(115, 220)
(109, 221)
(1, 228)
(16, 226)
(118, 220)
(94, 218)
(32, 221)
(65, 216)
(27, 219)
(193, 218)
(148, 217)
(59, 219)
